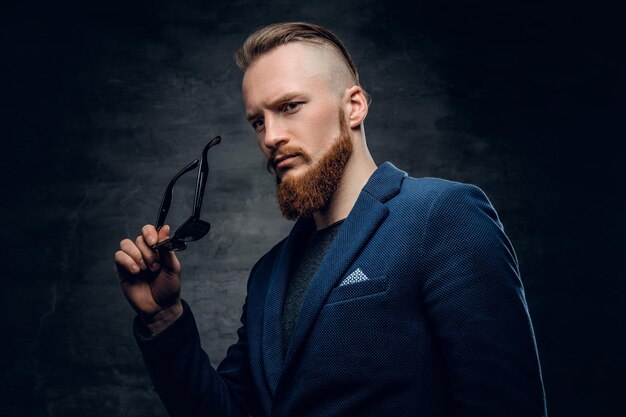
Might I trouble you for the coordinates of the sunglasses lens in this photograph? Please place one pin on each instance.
(178, 245)
(192, 230)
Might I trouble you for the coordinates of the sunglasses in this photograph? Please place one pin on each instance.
(193, 228)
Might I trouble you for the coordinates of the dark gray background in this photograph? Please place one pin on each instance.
(102, 102)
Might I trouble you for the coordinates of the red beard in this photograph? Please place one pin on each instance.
(303, 195)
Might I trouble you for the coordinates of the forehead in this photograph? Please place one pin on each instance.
(296, 66)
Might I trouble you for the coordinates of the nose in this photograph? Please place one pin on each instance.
(275, 133)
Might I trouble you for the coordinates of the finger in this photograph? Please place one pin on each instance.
(127, 246)
(150, 234)
(150, 255)
(125, 264)
(164, 233)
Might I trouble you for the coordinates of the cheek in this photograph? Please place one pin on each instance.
(261, 145)
(321, 123)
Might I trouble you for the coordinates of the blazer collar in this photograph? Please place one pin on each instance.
(368, 213)
(385, 182)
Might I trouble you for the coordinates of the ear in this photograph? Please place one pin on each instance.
(356, 106)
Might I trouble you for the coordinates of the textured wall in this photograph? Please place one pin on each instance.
(102, 102)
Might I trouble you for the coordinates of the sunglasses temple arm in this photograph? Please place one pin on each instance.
(203, 172)
(167, 197)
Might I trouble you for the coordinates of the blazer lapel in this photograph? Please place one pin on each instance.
(365, 217)
(272, 338)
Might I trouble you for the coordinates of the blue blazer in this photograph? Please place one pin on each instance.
(439, 326)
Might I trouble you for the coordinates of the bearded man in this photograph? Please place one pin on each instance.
(391, 296)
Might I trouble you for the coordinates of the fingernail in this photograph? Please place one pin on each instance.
(143, 265)
(152, 240)
(135, 269)
(155, 266)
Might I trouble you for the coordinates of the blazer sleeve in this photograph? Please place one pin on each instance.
(185, 380)
(475, 300)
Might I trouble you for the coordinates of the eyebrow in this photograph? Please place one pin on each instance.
(285, 98)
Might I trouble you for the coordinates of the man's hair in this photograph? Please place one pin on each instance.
(271, 36)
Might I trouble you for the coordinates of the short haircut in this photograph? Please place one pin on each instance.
(269, 37)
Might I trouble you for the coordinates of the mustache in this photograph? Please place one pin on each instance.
(285, 150)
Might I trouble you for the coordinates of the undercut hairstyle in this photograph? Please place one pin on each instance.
(269, 37)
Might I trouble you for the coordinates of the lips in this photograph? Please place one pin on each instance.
(282, 161)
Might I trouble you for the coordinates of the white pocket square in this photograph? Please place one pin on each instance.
(356, 276)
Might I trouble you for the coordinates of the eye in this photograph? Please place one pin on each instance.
(290, 107)
(257, 124)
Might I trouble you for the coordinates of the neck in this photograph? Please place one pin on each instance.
(358, 170)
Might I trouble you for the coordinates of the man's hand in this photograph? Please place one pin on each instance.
(150, 279)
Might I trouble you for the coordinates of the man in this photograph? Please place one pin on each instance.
(392, 296)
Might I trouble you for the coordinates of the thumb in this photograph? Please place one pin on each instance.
(168, 257)
(169, 260)
(164, 233)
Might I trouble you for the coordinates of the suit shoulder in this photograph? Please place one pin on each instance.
(430, 189)
(440, 197)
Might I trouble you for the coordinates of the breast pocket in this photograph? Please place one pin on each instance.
(358, 289)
